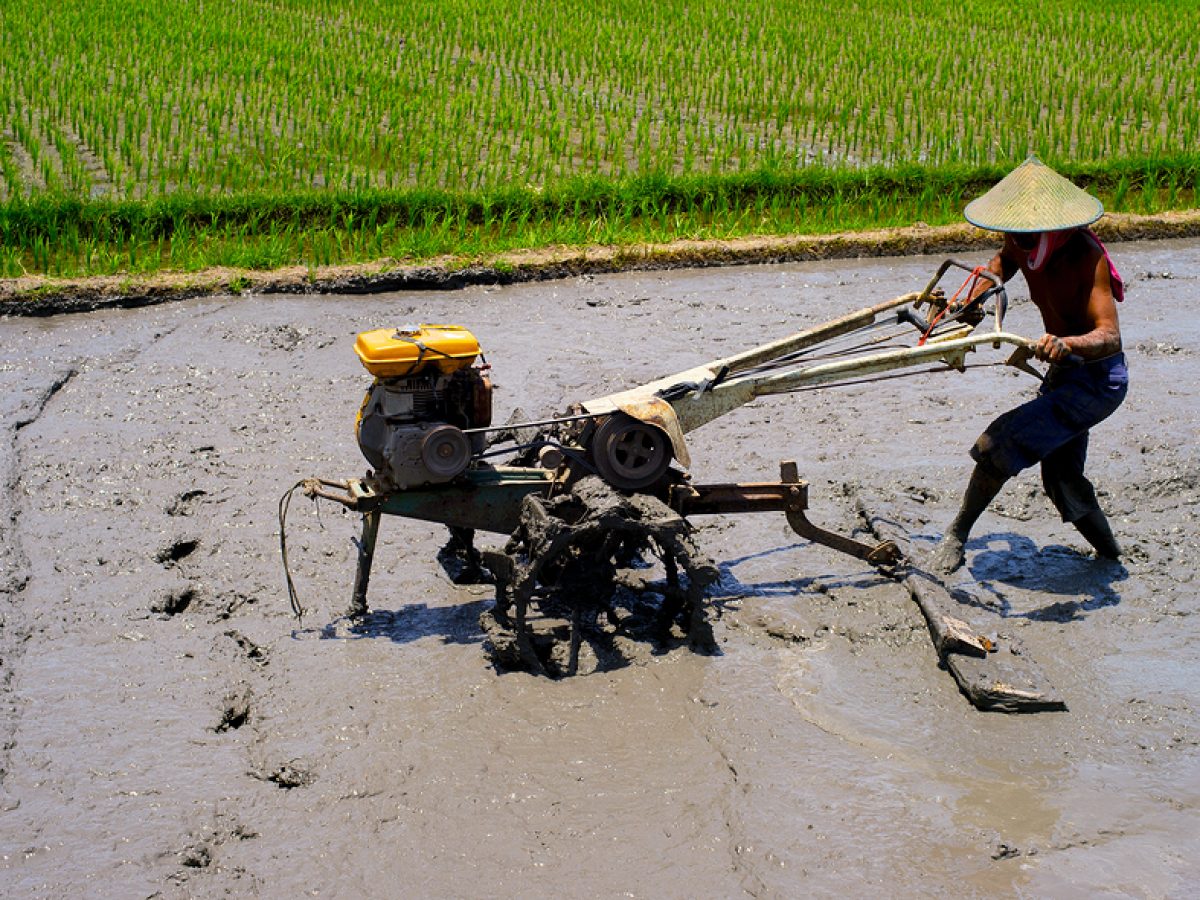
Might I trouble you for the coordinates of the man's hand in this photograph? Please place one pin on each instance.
(1051, 348)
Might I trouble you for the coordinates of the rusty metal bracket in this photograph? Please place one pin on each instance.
(789, 495)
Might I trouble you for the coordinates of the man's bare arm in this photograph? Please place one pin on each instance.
(1104, 338)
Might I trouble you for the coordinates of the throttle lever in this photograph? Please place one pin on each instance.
(1019, 359)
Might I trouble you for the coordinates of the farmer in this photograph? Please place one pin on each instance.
(1044, 218)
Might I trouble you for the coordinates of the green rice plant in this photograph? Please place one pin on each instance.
(1121, 191)
(399, 97)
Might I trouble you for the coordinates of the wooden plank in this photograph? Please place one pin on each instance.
(996, 675)
(950, 634)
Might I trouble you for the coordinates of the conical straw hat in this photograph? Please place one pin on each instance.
(1033, 197)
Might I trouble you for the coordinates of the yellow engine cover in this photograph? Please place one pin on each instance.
(414, 349)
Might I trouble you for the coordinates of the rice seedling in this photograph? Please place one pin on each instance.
(112, 102)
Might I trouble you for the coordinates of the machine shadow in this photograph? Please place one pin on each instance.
(612, 650)
(731, 587)
(456, 624)
(1054, 569)
(1007, 559)
(550, 631)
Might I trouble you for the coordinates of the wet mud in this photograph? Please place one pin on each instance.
(168, 729)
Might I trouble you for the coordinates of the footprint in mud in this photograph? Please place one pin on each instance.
(178, 593)
(237, 707)
(173, 598)
(178, 549)
(205, 843)
(253, 652)
(185, 504)
(288, 775)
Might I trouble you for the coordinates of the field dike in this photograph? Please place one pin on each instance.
(45, 296)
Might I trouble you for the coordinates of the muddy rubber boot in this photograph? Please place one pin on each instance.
(948, 556)
(983, 487)
(1096, 531)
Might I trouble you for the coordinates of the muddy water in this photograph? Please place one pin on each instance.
(169, 729)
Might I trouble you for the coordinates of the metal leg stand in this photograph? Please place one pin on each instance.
(366, 553)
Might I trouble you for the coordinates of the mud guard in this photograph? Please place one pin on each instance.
(658, 412)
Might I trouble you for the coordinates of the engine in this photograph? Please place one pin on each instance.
(427, 390)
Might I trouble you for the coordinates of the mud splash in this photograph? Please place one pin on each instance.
(169, 729)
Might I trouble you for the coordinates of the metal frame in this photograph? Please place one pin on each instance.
(489, 498)
(698, 395)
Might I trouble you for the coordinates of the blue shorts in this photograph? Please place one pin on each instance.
(1053, 429)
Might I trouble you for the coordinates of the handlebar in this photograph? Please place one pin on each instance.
(1024, 352)
(997, 287)
(1073, 361)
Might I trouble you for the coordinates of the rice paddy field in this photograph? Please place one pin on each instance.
(137, 136)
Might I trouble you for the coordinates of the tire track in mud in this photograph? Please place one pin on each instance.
(29, 401)
(26, 403)
(731, 801)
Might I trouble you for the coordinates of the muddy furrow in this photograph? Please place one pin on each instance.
(23, 403)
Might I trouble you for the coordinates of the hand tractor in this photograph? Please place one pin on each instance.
(583, 493)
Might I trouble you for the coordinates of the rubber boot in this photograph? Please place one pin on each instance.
(983, 487)
(1096, 531)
